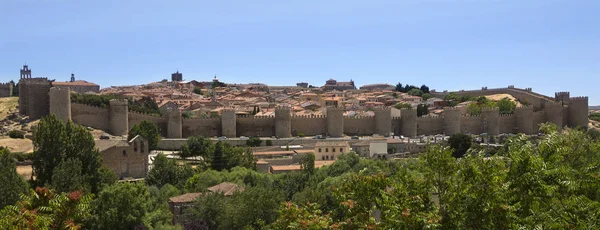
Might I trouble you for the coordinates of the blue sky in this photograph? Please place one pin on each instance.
(548, 45)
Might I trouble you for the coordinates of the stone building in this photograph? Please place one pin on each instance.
(177, 76)
(128, 159)
(378, 87)
(33, 94)
(180, 204)
(6, 89)
(332, 84)
(79, 86)
(330, 150)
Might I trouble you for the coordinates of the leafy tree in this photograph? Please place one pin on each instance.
(415, 92)
(55, 141)
(439, 169)
(268, 143)
(67, 176)
(253, 208)
(506, 106)
(187, 114)
(218, 160)
(197, 146)
(308, 163)
(209, 208)
(198, 90)
(148, 130)
(166, 171)
(425, 89)
(403, 105)
(474, 109)
(253, 142)
(460, 143)
(12, 183)
(399, 87)
(422, 109)
(121, 206)
(203, 180)
(426, 96)
(309, 217)
(44, 209)
(144, 105)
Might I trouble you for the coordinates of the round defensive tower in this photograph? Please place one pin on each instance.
(283, 122)
(228, 123)
(37, 97)
(335, 121)
(451, 121)
(554, 113)
(60, 103)
(383, 121)
(174, 123)
(524, 119)
(490, 118)
(409, 122)
(119, 117)
(578, 112)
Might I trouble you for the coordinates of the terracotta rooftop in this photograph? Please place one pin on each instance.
(73, 83)
(331, 144)
(286, 168)
(185, 198)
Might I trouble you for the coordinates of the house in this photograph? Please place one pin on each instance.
(128, 159)
(330, 150)
(179, 204)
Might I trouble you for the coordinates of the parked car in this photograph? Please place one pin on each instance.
(222, 138)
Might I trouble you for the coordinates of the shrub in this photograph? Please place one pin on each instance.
(253, 142)
(16, 134)
(269, 143)
(300, 134)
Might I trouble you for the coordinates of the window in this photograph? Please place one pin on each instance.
(326, 150)
(135, 146)
(319, 149)
(333, 150)
(341, 150)
(322, 157)
(142, 147)
(327, 157)
(124, 153)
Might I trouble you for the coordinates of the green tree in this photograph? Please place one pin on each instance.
(121, 206)
(399, 87)
(148, 130)
(415, 92)
(253, 208)
(44, 209)
(422, 110)
(67, 176)
(403, 105)
(198, 90)
(218, 161)
(439, 169)
(210, 208)
(425, 89)
(166, 171)
(426, 96)
(197, 146)
(460, 143)
(308, 163)
(253, 142)
(55, 141)
(13, 185)
(506, 106)
(187, 114)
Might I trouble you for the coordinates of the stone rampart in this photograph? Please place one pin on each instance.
(409, 122)
(430, 125)
(471, 124)
(6, 89)
(207, 127)
(524, 117)
(283, 122)
(359, 125)
(507, 123)
(60, 103)
(451, 121)
(309, 125)
(578, 112)
(90, 116)
(489, 121)
(174, 124)
(554, 113)
(259, 126)
(136, 118)
(335, 122)
(383, 121)
(228, 123)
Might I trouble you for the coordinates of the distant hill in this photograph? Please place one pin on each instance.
(597, 107)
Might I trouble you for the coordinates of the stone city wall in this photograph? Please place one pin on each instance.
(309, 125)
(6, 89)
(359, 126)
(90, 116)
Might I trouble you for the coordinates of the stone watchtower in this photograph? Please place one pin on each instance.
(335, 121)
(174, 123)
(25, 72)
(554, 113)
(524, 119)
(451, 122)
(383, 121)
(578, 112)
(60, 103)
(489, 119)
(119, 117)
(283, 122)
(228, 123)
(563, 97)
(33, 97)
(409, 122)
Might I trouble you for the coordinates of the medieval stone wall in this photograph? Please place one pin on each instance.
(309, 125)
(60, 103)
(360, 126)
(470, 124)
(283, 122)
(134, 118)
(207, 127)
(578, 112)
(90, 116)
(261, 126)
(507, 123)
(6, 89)
(430, 125)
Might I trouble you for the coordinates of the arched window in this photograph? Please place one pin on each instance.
(326, 157)
(124, 152)
(333, 150)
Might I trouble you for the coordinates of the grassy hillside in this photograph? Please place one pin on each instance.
(8, 105)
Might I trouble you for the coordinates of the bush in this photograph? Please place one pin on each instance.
(268, 143)
(300, 134)
(16, 134)
(595, 116)
(253, 142)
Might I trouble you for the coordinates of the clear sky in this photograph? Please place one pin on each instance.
(549, 45)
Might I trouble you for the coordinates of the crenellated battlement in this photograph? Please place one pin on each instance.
(427, 118)
(308, 116)
(579, 98)
(143, 114)
(451, 109)
(507, 115)
(6, 84)
(249, 117)
(470, 115)
(118, 102)
(86, 105)
(359, 117)
(382, 109)
(202, 118)
(490, 109)
(228, 110)
(524, 108)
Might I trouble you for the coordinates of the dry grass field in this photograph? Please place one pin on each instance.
(7, 106)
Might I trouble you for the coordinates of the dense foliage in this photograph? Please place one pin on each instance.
(143, 105)
(595, 116)
(148, 130)
(12, 184)
(221, 155)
